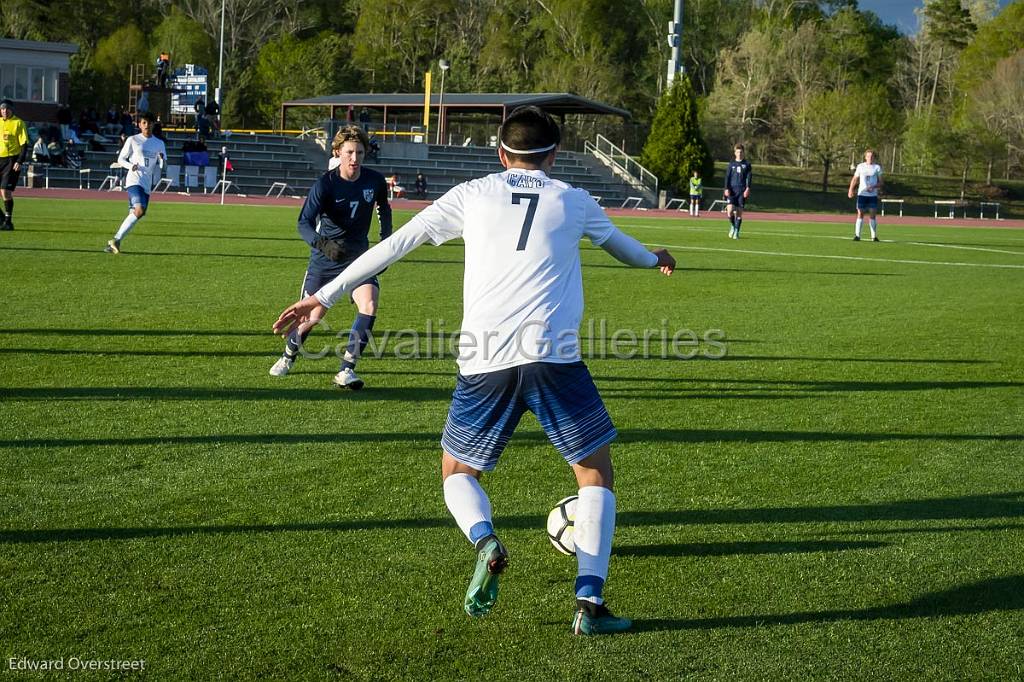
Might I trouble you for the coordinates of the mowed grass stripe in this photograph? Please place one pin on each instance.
(840, 496)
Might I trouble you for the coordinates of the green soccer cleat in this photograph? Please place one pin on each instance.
(596, 619)
(491, 561)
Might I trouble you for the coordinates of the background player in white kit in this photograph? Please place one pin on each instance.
(868, 180)
(519, 345)
(142, 156)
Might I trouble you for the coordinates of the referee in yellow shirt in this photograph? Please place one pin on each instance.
(13, 152)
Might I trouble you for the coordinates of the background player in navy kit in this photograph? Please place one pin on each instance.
(737, 190)
(335, 222)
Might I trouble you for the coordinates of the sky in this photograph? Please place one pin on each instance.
(900, 13)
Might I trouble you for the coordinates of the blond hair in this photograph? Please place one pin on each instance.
(350, 133)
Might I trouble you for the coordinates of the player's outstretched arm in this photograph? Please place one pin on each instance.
(294, 315)
(628, 250)
(666, 263)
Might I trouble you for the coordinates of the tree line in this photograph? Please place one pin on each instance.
(800, 82)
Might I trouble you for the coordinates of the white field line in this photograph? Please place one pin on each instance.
(831, 257)
(966, 248)
(831, 236)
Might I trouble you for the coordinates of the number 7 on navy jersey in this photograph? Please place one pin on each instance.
(531, 210)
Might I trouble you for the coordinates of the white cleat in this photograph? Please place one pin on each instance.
(282, 366)
(347, 378)
(113, 246)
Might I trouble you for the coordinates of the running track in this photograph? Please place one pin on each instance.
(413, 205)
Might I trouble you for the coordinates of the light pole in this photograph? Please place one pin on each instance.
(444, 65)
(220, 66)
(675, 41)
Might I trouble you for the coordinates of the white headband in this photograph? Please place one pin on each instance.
(527, 151)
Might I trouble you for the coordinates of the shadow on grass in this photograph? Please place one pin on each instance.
(47, 331)
(174, 254)
(693, 384)
(993, 506)
(441, 353)
(186, 393)
(121, 352)
(933, 529)
(151, 234)
(742, 548)
(794, 272)
(808, 358)
(672, 436)
(985, 596)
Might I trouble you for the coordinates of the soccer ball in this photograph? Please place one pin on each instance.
(561, 524)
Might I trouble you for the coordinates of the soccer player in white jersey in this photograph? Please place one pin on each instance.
(142, 156)
(519, 345)
(867, 178)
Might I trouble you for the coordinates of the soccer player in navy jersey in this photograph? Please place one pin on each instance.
(335, 222)
(737, 190)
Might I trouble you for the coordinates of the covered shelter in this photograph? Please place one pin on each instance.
(36, 76)
(405, 105)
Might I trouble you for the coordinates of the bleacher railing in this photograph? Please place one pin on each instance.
(624, 165)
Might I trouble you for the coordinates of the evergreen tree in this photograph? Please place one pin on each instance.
(675, 147)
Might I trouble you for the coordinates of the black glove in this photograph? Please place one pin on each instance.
(330, 248)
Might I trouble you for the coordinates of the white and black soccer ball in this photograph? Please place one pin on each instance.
(561, 524)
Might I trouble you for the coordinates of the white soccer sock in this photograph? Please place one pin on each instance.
(126, 226)
(594, 528)
(874, 227)
(468, 503)
(857, 226)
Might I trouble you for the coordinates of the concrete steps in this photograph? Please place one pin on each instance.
(261, 160)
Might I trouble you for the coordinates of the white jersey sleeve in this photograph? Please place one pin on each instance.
(443, 220)
(596, 224)
(124, 159)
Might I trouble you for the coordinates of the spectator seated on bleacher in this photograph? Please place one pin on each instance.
(40, 152)
(395, 191)
(127, 124)
(194, 153)
(64, 121)
(56, 152)
(374, 151)
(112, 125)
(87, 122)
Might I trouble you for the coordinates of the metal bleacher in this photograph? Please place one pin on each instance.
(259, 161)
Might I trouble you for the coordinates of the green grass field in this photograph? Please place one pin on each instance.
(787, 188)
(840, 496)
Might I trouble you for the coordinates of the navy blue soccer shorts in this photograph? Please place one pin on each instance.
(866, 203)
(316, 278)
(137, 197)
(736, 197)
(486, 408)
